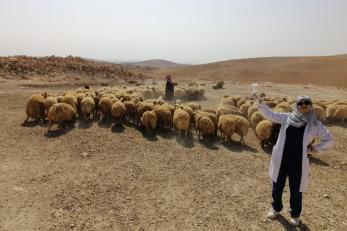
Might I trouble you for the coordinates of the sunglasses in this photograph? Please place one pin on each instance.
(304, 103)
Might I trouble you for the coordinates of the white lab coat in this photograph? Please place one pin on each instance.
(319, 131)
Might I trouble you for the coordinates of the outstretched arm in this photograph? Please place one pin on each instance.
(276, 117)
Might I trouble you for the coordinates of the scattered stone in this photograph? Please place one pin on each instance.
(326, 196)
(84, 154)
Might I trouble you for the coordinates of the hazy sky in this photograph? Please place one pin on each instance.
(188, 31)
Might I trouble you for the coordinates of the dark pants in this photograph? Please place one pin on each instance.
(293, 171)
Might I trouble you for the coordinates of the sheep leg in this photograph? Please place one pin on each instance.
(26, 120)
(50, 126)
(186, 133)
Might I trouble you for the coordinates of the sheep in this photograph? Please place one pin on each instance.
(245, 107)
(105, 106)
(212, 111)
(79, 97)
(60, 99)
(164, 115)
(130, 110)
(118, 111)
(96, 99)
(226, 127)
(256, 118)
(142, 107)
(270, 104)
(263, 131)
(241, 101)
(35, 107)
(242, 126)
(319, 112)
(70, 99)
(285, 106)
(336, 112)
(60, 113)
(251, 110)
(205, 126)
(190, 112)
(223, 110)
(181, 120)
(228, 101)
(87, 107)
(49, 102)
(149, 121)
(194, 106)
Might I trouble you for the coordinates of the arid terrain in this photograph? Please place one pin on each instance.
(100, 177)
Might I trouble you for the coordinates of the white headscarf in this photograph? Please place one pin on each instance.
(298, 119)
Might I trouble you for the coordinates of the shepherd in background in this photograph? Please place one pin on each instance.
(169, 88)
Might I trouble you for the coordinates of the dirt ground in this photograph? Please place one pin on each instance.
(101, 177)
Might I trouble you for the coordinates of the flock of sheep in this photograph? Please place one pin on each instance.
(235, 114)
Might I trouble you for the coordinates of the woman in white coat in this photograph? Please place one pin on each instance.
(289, 155)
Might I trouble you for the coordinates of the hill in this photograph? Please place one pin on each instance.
(26, 67)
(156, 64)
(318, 70)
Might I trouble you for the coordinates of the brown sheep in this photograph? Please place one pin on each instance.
(149, 121)
(181, 120)
(130, 111)
(319, 112)
(205, 126)
(118, 111)
(49, 102)
(256, 118)
(263, 131)
(35, 107)
(60, 113)
(164, 115)
(226, 126)
(105, 106)
(70, 99)
(87, 106)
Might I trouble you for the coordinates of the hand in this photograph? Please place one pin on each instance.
(258, 98)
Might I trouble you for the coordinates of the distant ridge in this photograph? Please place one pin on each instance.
(155, 63)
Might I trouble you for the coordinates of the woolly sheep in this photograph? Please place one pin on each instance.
(244, 108)
(35, 107)
(105, 106)
(251, 110)
(87, 107)
(223, 110)
(212, 111)
(130, 110)
(60, 113)
(242, 126)
(149, 121)
(226, 100)
(336, 112)
(142, 107)
(181, 120)
(70, 99)
(164, 115)
(205, 126)
(256, 118)
(49, 102)
(226, 126)
(319, 112)
(118, 111)
(194, 106)
(263, 131)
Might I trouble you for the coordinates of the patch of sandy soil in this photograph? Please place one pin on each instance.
(100, 177)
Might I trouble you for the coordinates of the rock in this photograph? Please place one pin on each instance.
(326, 195)
(84, 154)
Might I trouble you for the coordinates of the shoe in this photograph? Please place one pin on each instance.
(294, 221)
(272, 214)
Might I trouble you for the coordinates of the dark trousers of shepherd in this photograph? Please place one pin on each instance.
(291, 166)
(169, 90)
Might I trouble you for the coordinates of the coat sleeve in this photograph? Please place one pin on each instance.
(325, 138)
(276, 117)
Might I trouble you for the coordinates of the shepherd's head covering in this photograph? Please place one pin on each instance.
(298, 119)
